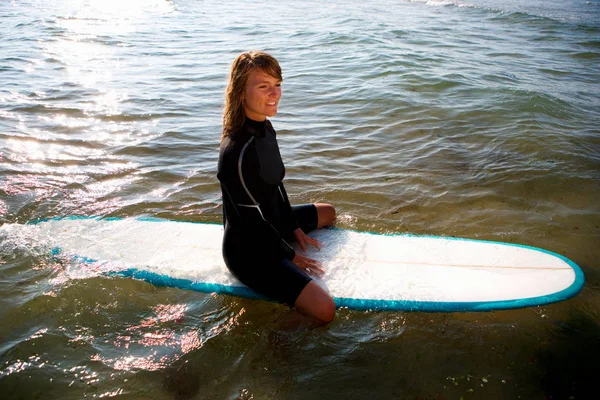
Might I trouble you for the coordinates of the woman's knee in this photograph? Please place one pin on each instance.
(326, 310)
(326, 214)
(316, 302)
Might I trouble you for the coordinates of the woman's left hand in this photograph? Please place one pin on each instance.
(303, 239)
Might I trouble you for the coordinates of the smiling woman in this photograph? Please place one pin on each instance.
(259, 220)
(261, 96)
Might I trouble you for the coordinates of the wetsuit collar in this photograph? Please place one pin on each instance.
(256, 128)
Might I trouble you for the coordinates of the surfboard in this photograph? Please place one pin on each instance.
(363, 270)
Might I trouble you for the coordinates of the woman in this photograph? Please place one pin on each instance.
(259, 220)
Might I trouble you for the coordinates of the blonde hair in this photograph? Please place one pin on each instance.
(233, 114)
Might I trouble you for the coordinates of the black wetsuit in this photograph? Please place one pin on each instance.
(258, 218)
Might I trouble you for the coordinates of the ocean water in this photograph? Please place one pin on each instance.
(472, 118)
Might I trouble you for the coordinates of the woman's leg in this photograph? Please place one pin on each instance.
(314, 301)
(326, 214)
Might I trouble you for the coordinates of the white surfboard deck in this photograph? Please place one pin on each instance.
(363, 270)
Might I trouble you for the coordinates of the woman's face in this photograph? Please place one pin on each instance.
(261, 95)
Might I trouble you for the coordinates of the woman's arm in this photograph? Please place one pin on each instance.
(288, 221)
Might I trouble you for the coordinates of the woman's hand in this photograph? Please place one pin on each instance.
(309, 265)
(303, 239)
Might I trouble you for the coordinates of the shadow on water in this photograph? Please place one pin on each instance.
(570, 364)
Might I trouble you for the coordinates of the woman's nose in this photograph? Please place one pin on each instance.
(275, 92)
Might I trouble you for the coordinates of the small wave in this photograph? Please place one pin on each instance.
(520, 17)
(445, 3)
(6, 69)
(507, 55)
(535, 102)
(520, 14)
(42, 109)
(439, 86)
(591, 44)
(554, 72)
(73, 18)
(16, 59)
(136, 117)
(585, 55)
(17, 240)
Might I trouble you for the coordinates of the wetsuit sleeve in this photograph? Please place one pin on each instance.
(236, 181)
(288, 220)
